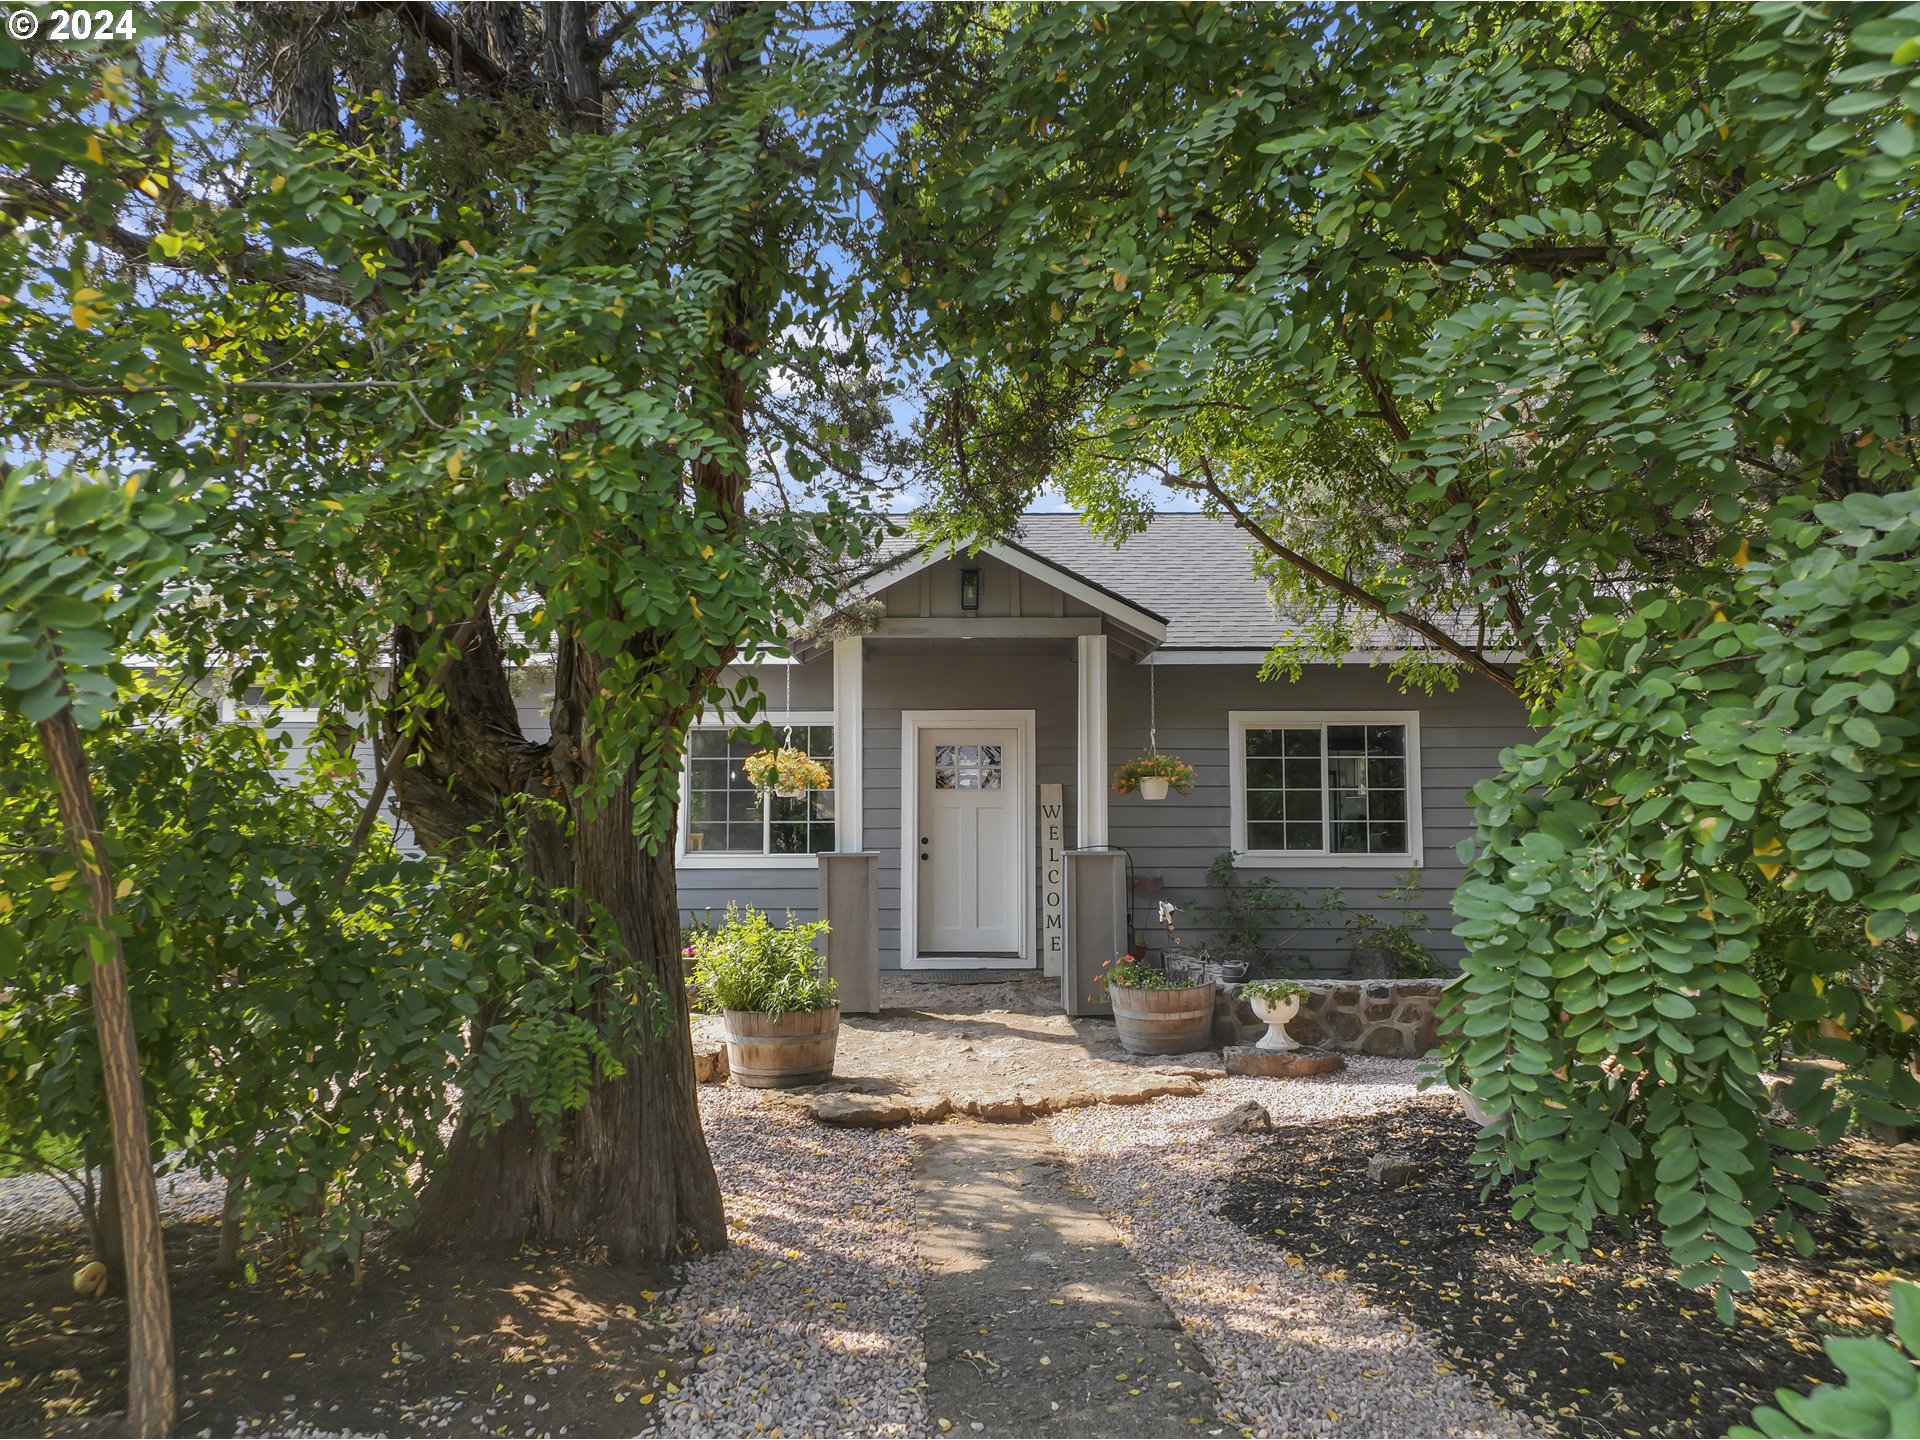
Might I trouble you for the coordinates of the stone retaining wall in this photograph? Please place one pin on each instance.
(1366, 1017)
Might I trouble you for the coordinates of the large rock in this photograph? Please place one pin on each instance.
(1250, 1118)
(1001, 1109)
(1282, 1064)
(1148, 1088)
(709, 1061)
(1393, 1168)
(859, 1112)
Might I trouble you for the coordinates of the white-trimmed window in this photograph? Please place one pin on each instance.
(1334, 789)
(725, 819)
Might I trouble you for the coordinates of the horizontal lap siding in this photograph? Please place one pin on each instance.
(1175, 839)
(1461, 736)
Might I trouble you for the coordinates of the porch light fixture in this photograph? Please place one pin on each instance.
(970, 591)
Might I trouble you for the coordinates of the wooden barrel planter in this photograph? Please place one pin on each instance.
(1164, 1022)
(767, 1052)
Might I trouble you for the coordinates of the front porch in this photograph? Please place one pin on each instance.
(914, 1052)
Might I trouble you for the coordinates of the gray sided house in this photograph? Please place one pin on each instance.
(973, 733)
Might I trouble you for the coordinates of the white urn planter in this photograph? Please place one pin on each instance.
(1153, 787)
(1276, 1014)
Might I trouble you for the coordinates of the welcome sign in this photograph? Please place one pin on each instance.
(1053, 879)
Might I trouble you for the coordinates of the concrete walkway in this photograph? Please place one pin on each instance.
(1038, 1322)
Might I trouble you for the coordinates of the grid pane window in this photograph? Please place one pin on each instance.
(1337, 789)
(804, 825)
(1284, 801)
(966, 767)
(726, 814)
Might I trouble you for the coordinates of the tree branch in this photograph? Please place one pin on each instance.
(306, 277)
(74, 387)
(1340, 585)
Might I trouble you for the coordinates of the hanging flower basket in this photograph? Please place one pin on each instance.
(788, 773)
(1152, 774)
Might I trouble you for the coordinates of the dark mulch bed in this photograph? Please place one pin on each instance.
(1611, 1346)
(583, 1340)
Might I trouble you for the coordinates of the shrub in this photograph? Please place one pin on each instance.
(1254, 918)
(1274, 992)
(309, 1013)
(1398, 934)
(749, 963)
(1130, 974)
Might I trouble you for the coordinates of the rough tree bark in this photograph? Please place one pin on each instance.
(150, 1389)
(632, 1170)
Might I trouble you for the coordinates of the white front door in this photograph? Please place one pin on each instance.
(970, 782)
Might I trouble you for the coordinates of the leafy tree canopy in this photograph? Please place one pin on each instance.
(1484, 318)
(1578, 334)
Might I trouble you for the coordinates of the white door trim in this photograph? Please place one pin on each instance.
(912, 722)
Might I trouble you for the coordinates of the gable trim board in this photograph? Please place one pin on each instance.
(1143, 622)
(1026, 824)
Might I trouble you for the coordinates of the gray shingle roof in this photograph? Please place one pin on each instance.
(1192, 570)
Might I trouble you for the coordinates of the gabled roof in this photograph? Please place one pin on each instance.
(1095, 594)
(1195, 571)
(1191, 574)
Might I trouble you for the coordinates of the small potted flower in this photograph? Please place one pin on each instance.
(1155, 1014)
(1152, 773)
(787, 772)
(1276, 1002)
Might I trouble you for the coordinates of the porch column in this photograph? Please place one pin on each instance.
(849, 744)
(1092, 813)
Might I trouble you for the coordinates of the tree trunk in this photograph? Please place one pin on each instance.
(228, 1260)
(110, 1230)
(150, 1395)
(631, 1170)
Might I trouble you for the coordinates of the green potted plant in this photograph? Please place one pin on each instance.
(1276, 1002)
(1155, 1014)
(1151, 773)
(788, 772)
(780, 1006)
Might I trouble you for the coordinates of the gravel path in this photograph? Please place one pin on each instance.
(1294, 1351)
(39, 1204)
(813, 1315)
(812, 1323)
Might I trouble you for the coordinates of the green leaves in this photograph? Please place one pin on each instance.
(1446, 304)
(1881, 1394)
(303, 1032)
(1673, 888)
(84, 569)
(749, 963)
